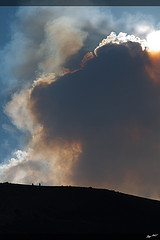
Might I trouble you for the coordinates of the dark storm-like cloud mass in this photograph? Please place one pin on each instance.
(112, 107)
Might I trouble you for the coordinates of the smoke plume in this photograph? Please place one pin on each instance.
(92, 115)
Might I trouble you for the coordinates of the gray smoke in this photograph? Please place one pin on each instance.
(91, 123)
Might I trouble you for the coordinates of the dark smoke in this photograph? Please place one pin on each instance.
(112, 107)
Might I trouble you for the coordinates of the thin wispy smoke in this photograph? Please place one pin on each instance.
(137, 24)
(92, 112)
(43, 40)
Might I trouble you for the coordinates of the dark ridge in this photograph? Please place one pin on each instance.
(67, 211)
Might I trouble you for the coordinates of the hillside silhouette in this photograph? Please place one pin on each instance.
(68, 211)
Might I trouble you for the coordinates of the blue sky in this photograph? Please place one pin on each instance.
(10, 135)
(39, 46)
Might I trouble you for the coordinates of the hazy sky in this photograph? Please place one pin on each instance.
(80, 97)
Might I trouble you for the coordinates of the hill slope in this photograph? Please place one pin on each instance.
(28, 209)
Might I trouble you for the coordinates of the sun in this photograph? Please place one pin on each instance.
(153, 41)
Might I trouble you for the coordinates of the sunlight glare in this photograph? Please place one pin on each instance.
(153, 40)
